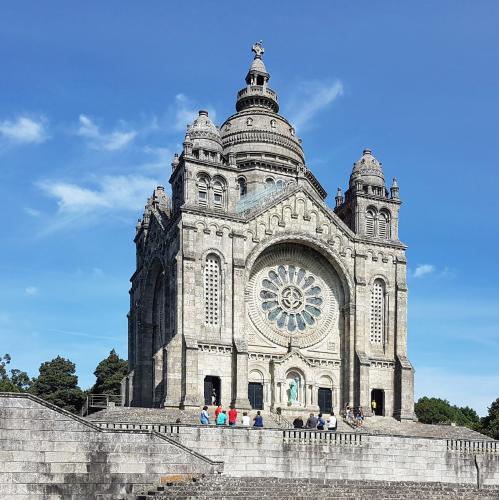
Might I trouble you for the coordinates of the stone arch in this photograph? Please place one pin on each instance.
(152, 334)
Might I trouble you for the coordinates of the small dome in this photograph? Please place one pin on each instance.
(258, 66)
(368, 170)
(204, 134)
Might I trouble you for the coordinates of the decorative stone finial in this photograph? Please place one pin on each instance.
(258, 49)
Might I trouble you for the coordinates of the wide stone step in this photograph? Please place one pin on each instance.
(225, 487)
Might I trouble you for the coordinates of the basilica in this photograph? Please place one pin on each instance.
(250, 290)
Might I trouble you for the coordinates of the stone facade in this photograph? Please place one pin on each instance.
(247, 282)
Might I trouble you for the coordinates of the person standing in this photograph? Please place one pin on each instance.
(232, 416)
(204, 417)
(258, 420)
(332, 423)
(373, 406)
(222, 418)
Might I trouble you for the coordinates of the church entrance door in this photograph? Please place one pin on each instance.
(255, 395)
(377, 401)
(325, 400)
(212, 390)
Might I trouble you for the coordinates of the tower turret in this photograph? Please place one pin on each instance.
(367, 208)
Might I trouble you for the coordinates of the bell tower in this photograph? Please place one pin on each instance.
(367, 207)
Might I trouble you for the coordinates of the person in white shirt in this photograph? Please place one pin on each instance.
(246, 420)
(332, 423)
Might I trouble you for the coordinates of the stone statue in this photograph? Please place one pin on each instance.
(258, 49)
(293, 390)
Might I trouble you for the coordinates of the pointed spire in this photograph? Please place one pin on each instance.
(339, 197)
(394, 190)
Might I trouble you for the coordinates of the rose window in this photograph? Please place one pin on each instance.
(290, 298)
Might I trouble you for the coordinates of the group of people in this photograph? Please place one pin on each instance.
(320, 423)
(222, 417)
(354, 416)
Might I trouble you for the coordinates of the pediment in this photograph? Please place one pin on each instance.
(298, 203)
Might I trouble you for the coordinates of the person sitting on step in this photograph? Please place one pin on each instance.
(222, 418)
(298, 423)
(258, 420)
(332, 423)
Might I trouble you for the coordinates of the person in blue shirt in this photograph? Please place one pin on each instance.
(222, 418)
(204, 418)
(258, 420)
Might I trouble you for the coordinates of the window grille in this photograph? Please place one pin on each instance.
(202, 192)
(212, 291)
(383, 225)
(377, 312)
(370, 223)
(218, 200)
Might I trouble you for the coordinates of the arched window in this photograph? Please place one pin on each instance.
(269, 182)
(218, 194)
(384, 225)
(279, 184)
(273, 123)
(249, 121)
(242, 186)
(377, 326)
(212, 278)
(202, 191)
(370, 217)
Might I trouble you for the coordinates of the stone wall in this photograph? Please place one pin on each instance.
(46, 452)
(352, 456)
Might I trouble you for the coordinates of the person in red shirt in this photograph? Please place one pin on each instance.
(218, 410)
(232, 416)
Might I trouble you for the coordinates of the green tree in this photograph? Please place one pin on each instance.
(440, 411)
(17, 381)
(490, 423)
(109, 374)
(57, 383)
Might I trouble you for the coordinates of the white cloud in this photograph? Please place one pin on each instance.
(186, 113)
(310, 98)
(31, 290)
(112, 193)
(24, 130)
(112, 141)
(423, 270)
(32, 211)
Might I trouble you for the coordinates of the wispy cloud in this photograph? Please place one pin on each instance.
(31, 290)
(24, 130)
(32, 212)
(423, 270)
(112, 141)
(186, 112)
(312, 97)
(110, 193)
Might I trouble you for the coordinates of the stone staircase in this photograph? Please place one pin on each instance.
(190, 416)
(224, 487)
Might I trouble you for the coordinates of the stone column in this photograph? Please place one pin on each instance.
(240, 396)
(404, 372)
(191, 377)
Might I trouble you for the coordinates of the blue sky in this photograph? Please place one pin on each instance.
(94, 99)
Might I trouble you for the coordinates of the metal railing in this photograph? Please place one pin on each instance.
(100, 401)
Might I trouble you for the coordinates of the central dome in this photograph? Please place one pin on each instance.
(257, 131)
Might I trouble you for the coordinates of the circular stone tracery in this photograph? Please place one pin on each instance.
(290, 298)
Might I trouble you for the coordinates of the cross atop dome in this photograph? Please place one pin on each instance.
(258, 49)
